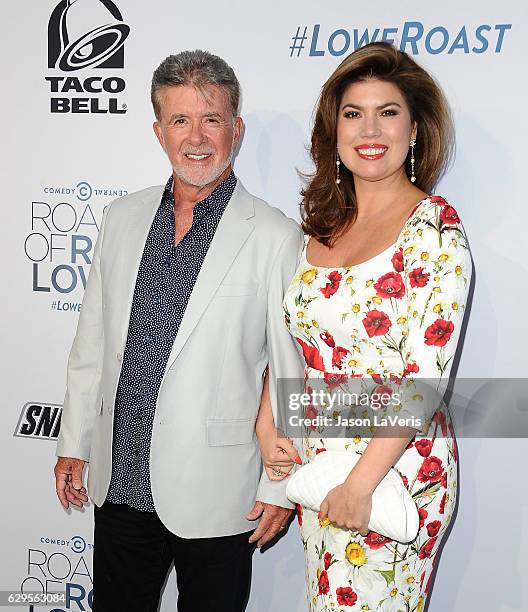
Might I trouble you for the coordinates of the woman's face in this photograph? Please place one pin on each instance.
(374, 130)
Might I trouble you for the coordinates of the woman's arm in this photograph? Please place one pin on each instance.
(278, 452)
(265, 424)
(380, 455)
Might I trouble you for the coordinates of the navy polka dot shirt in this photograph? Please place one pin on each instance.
(166, 277)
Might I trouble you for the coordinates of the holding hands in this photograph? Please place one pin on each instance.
(278, 453)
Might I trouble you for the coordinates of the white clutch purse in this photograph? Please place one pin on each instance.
(394, 514)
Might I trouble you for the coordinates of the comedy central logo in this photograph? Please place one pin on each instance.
(86, 35)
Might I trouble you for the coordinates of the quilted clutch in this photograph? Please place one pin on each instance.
(394, 514)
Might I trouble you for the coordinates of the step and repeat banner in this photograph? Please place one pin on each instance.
(77, 132)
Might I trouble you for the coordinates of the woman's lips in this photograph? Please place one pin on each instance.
(371, 151)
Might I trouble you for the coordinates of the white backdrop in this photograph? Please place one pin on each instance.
(62, 168)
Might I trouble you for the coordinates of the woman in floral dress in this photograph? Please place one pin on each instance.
(380, 293)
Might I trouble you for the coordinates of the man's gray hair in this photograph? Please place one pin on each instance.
(199, 69)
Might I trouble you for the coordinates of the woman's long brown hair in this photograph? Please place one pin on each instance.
(328, 209)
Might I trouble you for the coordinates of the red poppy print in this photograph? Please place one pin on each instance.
(334, 380)
(299, 512)
(449, 215)
(443, 480)
(441, 508)
(311, 414)
(338, 354)
(411, 368)
(439, 332)
(327, 560)
(440, 419)
(418, 278)
(319, 450)
(430, 470)
(330, 288)
(438, 200)
(376, 323)
(422, 515)
(424, 447)
(346, 596)
(327, 338)
(422, 578)
(375, 540)
(384, 392)
(427, 549)
(312, 356)
(397, 260)
(429, 579)
(390, 285)
(323, 583)
(455, 449)
(433, 528)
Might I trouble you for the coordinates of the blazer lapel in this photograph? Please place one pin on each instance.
(231, 234)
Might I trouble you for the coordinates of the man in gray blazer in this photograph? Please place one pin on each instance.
(181, 316)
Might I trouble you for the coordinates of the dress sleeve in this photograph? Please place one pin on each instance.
(436, 272)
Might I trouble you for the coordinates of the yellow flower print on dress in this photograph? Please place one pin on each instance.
(309, 276)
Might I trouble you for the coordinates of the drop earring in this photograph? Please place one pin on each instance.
(413, 177)
(338, 164)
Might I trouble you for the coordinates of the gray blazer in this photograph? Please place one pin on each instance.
(204, 459)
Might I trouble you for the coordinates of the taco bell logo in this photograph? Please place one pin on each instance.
(86, 35)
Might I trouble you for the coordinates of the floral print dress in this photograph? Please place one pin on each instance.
(396, 315)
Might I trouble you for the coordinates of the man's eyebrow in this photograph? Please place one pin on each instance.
(212, 115)
(349, 105)
(177, 116)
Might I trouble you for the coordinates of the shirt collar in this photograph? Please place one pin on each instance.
(217, 199)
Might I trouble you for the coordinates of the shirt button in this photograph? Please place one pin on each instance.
(119, 357)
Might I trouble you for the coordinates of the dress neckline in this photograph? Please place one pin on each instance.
(362, 263)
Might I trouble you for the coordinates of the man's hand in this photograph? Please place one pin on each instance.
(69, 482)
(273, 519)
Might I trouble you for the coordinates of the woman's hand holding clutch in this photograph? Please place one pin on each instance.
(348, 506)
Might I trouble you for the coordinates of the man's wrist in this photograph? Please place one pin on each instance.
(274, 505)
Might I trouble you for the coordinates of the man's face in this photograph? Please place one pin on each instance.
(198, 132)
